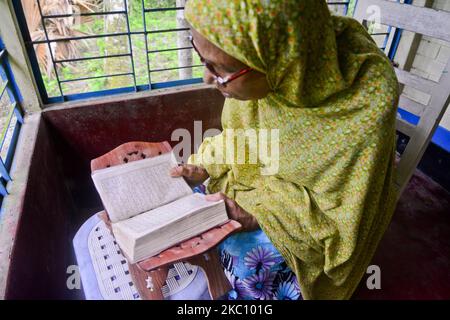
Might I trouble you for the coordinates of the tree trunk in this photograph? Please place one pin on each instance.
(184, 56)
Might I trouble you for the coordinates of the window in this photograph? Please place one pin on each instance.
(88, 48)
(10, 119)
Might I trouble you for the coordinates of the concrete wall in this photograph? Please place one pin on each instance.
(53, 193)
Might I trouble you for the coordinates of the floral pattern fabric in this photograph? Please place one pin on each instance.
(256, 270)
(334, 101)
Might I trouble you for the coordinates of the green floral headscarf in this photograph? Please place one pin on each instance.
(333, 99)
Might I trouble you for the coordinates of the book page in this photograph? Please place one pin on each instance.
(159, 217)
(136, 187)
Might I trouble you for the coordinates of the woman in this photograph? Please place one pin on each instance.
(323, 83)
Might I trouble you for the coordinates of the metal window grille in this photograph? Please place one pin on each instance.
(11, 119)
(149, 30)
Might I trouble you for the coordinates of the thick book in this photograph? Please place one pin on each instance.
(150, 211)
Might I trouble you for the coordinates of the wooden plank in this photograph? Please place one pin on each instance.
(414, 81)
(424, 131)
(412, 43)
(426, 21)
(432, 23)
(411, 106)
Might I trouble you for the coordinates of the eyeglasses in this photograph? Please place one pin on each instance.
(220, 80)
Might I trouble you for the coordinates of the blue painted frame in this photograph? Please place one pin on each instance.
(11, 91)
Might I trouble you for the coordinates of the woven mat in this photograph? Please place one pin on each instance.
(113, 276)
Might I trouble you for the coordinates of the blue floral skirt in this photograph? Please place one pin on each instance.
(256, 270)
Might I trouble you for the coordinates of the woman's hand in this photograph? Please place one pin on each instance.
(194, 175)
(235, 212)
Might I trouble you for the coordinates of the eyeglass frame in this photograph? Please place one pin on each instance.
(219, 79)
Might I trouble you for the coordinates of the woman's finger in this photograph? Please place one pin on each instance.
(215, 196)
(182, 171)
(175, 172)
(230, 204)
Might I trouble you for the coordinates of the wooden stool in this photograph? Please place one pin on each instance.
(150, 274)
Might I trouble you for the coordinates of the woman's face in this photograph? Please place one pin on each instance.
(250, 86)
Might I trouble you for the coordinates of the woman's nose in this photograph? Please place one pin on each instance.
(208, 77)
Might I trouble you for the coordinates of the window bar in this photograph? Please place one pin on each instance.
(116, 34)
(8, 87)
(146, 45)
(177, 68)
(50, 48)
(168, 30)
(380, 34)
(93, 58)
(98, 77)
(171, 49)
(68, 15)
(150, 71)
(3, 171)
(12, 146)
(125, 3)
(163, 9)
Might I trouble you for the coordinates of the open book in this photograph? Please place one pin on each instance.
(150, 211)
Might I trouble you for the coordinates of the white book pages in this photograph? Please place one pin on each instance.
(149, 233)
(165, 215)
(148, 248)
(136, 187)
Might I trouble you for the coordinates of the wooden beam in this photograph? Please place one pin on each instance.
(426, 21)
